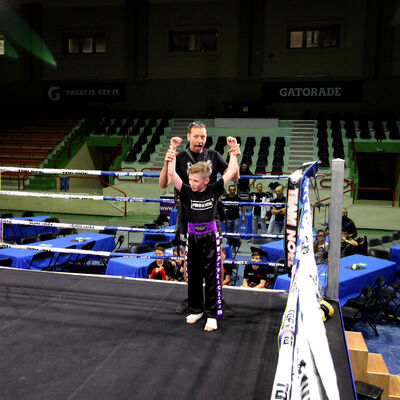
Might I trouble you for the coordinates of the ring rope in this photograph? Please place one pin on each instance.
(122, 228)
(123, 199)
(116, 254)
(52, 171)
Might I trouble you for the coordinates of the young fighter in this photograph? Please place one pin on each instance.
(203, 258)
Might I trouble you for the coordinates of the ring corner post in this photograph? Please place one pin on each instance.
(335, 227)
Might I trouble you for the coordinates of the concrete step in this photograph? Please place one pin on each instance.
(305, 153)
(308, 130)
(302, 136)
(302, 142)
(298, 147)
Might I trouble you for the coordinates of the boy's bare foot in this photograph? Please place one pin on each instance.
(192, 318)
(211, 325)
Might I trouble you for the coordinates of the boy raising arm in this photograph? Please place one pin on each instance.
(203, 242)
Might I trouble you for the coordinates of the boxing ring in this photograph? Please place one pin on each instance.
(76, 336)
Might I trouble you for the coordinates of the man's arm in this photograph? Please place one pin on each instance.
(233, 167)
(164, 180)
(261, 285)
(176, 180)
(244, 284)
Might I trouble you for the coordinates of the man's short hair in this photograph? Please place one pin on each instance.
(197, 124)
(202, 168)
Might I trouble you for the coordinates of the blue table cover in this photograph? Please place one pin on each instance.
(153, 238)
(21, 258)
(137, 267)
(21, 231)
(395, 255)
(274, 250)
(351, 281)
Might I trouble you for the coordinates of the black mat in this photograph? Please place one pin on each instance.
(79, 337)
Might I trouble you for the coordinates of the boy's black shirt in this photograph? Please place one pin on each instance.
(201, 206)
(255, 276)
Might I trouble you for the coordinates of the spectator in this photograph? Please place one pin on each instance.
(349, 245)
(159, 269)
(348, 224)
(321, 247)
(244, 184)
(255, 276)
(227, 269)
(232, 212)
(177, 271)
(260, 214)
(278, 223)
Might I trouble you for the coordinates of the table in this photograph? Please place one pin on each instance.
(246, 228)
(351, 281)
(17, 232)
(274, 250)
(21, 258)
(153, 238)
(133, 267)
(395, 255)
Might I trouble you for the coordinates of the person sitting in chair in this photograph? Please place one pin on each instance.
(321, 247)
(255, 276)
(159, 269)
(348, 244)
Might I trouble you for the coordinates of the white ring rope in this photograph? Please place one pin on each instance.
(116, 254)
(123, 199)
(122, 228)
(54, 171)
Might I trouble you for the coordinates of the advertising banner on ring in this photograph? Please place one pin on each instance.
(293, 207)
(289, 92)
(84, 92)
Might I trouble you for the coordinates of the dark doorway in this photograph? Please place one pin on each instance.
(106, 164)
(376, 170)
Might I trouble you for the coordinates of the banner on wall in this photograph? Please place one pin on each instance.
(84, 92)
(289, 92)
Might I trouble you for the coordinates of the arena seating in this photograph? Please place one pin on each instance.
(27, 142)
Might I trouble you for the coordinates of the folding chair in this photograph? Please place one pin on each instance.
(272, 273)
(281, 270)
(47, 236)
(143, 248)
(29, 239)
(81, 260)
(41, 260)
(161, 220)
(112, 232)
(67, 231)
(5, 262)
(379, 253)
(234, 244)
(358, 310)
(63, 259)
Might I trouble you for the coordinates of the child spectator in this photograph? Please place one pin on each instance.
(255, 276)
(159, 269)
(227, 268)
